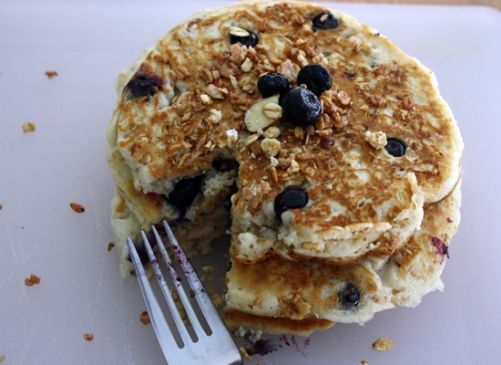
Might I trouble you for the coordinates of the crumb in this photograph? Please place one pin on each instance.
(32, 280)
(110, 246)
(2, 358)
(208, 269)
(246, 65)
(364, 362)
(271, 146)
(205, 99)
(1, 206)
(79, 208)
(144, 318)
(215, 116)
(231, 137)
(376, 139)
(245, 354)
(51, 74)
(29, 127)
(383, 344)
(88, 336)
(343, 98)
(217, 300)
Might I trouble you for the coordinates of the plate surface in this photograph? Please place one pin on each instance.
(64, 160)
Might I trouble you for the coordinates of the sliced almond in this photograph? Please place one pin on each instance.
(255, 118)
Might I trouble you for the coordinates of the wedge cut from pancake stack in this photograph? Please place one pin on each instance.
(327, 153)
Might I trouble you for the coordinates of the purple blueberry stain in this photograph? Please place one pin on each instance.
(263, 347)
(441, 247)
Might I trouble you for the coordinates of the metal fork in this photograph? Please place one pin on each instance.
(215, 347)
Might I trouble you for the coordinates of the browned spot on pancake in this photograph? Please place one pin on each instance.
(235, 319)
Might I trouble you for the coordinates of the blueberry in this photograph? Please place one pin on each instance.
(224, 164)
(272, 83)
(324, 21)
(395, 147)
(249, 40)
(349, 296)
(301, 107)
(292, 197)
(315, 77)
(144, 84)
(185, 191)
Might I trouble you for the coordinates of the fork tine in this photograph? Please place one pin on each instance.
(165, 338)
(185, 336)
(195, 323)
(204, 302)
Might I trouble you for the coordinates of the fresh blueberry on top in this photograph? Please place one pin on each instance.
(349, 296)
(395, 147)
(324, 21)
(184, 192)
(244, 37)
(272, 83)
(315, 77)
(144, 84)
(301, 107)
(292, 197)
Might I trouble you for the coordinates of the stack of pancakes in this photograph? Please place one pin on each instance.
(194, 142)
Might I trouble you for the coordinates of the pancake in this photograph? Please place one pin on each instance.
(278, 293)
(332, 177)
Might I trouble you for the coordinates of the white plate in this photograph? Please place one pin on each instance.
(88, 43)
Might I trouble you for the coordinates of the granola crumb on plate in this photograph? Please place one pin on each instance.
(29, 127)
(144, 318)
(383, 344)
(88, 336)
(78, 208)
(32, 280)
(110, 246)
(51, 74)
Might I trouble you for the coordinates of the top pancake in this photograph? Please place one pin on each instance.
(361, 199)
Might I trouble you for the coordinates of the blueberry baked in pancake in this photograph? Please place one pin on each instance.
(326, 152)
